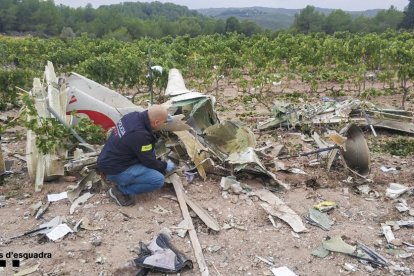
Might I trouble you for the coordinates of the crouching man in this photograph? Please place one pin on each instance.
(128, 157)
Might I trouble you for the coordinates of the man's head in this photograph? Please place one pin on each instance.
(158, 115)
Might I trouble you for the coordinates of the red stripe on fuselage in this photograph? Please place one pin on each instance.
(97, 118)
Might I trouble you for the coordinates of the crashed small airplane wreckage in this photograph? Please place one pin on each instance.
(196, 138)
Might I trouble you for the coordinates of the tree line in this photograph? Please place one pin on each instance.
(310, 20)
(132, 20)
(125, 21)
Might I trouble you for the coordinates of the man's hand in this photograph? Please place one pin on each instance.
(170, 166)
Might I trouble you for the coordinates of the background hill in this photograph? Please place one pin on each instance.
(272, 18)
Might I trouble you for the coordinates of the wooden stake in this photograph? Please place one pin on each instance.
(175, 180)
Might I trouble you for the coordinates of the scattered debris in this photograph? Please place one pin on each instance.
(42, 210)
(276, 207)
(333, 112)
(199, 139)
(395, 190)
(85, 183)
(79, 201)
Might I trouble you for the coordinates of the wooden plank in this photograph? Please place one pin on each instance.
(175, 180)
(202, 214)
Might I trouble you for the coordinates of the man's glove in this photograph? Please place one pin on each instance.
(170, 166)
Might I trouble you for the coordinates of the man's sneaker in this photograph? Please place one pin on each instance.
(120, 198)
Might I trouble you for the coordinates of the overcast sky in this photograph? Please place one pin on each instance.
(349, 5)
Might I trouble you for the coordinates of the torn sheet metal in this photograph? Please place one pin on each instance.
(42, 210)
(249, 161)
(229, 137)
(320, 252)
(177, 124)
(197, 108)
(78, 164)
(79, 201)
(86, 182)
(280, 166)
(284, 113)
(319, 219)
(336, 244)
(276, 207)
(195, 150)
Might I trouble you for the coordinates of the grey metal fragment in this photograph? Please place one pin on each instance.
(320, 252)
(79, 201)
(319, 219)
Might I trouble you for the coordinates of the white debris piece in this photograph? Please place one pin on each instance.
(56, 197)
(388, 169)
(395, 190)
(386, 230)
(283, 271)
(59, 232)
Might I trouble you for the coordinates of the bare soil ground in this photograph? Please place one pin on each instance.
(234, 251)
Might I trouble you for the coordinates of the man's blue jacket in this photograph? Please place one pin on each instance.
(131, 142)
